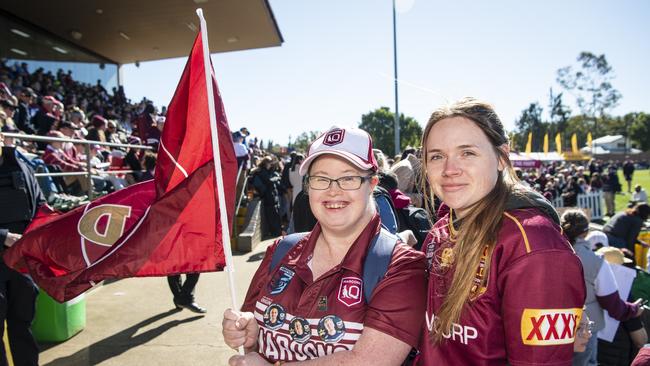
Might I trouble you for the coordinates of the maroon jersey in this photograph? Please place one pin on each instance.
(527, 311)
(302, 318)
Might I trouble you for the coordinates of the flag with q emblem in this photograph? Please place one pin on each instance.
(167, 225)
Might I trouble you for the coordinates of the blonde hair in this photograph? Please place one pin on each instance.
(478, 230)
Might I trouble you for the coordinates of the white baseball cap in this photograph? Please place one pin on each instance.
(352, 144)
(597, 237)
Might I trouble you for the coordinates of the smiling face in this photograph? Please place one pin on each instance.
(336, 209)
(273, 315)
(461, 163)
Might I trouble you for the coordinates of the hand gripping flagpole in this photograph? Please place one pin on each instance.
(225, 228)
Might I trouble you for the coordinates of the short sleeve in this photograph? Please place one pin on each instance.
(259, 279)
(398, 302)
(543, 296)
(605, 281)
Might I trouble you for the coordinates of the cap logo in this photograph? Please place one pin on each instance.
(334, 137)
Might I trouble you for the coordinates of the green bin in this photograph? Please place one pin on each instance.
(55, 321)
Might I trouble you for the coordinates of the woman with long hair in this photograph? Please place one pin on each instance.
(504, 284)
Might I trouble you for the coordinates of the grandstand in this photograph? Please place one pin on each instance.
(61, 81)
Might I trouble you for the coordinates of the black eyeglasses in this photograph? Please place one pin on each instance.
(349, 183)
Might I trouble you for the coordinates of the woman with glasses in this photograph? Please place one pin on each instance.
(323, 280)
(602, 290)
(504, 285)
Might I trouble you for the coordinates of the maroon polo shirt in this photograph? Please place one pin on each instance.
(529, 309)
(302, 318)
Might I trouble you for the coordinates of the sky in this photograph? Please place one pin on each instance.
(336, 62)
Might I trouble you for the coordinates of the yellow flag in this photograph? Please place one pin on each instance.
(558, 143)
(546, 143)
(589, 139)
(529, 144)
(574, 143)
(513, 143)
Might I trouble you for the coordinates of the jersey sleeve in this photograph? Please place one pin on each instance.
(260, 278)
(605, 281)
(543, 296)
(398, 302)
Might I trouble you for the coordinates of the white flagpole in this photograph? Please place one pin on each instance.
(225, 228)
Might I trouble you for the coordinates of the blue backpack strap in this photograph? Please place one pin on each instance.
(283, 248)
(377, 260)
(386, 210)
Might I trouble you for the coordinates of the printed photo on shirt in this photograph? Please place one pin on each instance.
(299, 330)
(274, 316)
(331, 328)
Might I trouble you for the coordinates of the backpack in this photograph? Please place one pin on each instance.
(374, 266)
(387, 212)
(417, 220)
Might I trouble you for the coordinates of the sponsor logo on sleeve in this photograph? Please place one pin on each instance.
(350, 291)
(549, 327)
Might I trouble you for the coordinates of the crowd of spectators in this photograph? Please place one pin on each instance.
(566, 180)
(57, 106)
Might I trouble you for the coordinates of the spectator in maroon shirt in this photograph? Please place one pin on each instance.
(56, 156)
(505, 286)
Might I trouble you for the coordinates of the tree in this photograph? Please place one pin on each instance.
(380, 125)
(530, 121)
(639, 129)
(590, 83)
(558, 111)
(304, 139)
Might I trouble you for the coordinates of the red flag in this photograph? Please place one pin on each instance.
(168, 225)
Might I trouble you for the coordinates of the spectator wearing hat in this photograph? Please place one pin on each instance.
(602, 290)
(56, 156)
(631, 334)
(266, 181)
(639, 195)
(241, 151)
(70, 131)
(597, 239)
(97, 131)
(8, 106)
(111, 132)
(407, 171)
(329, 260)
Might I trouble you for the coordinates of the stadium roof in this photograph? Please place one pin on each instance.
(126, 31)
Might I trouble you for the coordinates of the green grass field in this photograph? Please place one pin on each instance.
(641, 177)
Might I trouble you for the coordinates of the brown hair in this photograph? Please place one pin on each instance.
(574, 223)
(478, 231)
(640, 209)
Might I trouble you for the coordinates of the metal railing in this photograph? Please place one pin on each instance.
(88, 172)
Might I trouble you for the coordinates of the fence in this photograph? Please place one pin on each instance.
(86, 144)
(593, 201)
